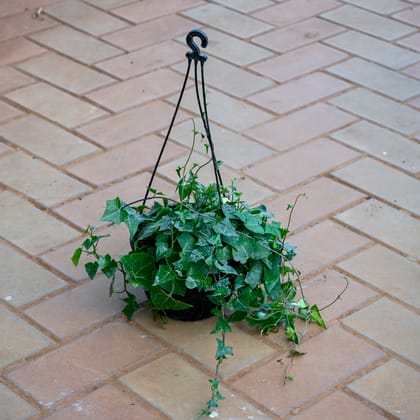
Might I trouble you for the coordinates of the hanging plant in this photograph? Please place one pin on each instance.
(205, 253)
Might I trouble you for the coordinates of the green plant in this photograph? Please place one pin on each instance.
(211, 241)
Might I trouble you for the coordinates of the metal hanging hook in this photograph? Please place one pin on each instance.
(195, 53)
(196, 56)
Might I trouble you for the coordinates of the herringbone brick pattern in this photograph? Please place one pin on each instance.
(305, 96)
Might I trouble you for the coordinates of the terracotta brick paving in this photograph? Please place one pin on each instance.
(306, 96)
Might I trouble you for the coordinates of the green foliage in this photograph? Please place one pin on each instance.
(215, 243)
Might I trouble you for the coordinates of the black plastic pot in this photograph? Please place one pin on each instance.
(201, 309)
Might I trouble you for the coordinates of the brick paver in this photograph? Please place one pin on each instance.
(411, 41)
(380, 267)
(38, 180)
(383, 144)
(379, 109)
(65, 73)
(161, 377)
(137, 90)
(399, 333)
(45, 139)
(108, 403)
(298, 34)
(299, 93)
(8, 112)
(76, 44)
(149, 33)
(143, 61)
(30, 283)
(228, 145)
(11, 79)
(392, 387)
(233, 49)
(300, 126)
(373, 49)
(18, 49)
(20, 338)
(13, 406)
(377, 78)
(298, 62)
(335, 406)
(85, 17)
(55, 104)
(368, 22)
(249, 349)
(322, 198)
(382, 181)
(314, 97)
(325, 287)
(22, 24)
(263, 383)
(227, 20)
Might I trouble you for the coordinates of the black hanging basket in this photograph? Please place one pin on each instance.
(202, 306)
(201, 309)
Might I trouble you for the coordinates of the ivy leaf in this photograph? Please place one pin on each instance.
(259, 251)
(301, 303)
(237, 316)
(133, 220)
(262, 210)
(254, 275)
(140, 269)
(245, 300)
(131, 305)
(221, 325)
(92, 241)
(75, 258)
(272, 281)
(224, 254)
(226, 268)
(197, 255)
(214, 383)
(283, 233)
(164, 276)
(225, 228)
(242, 250)
(288, 289)
(89, 242)
(212, 404)
(273, 228)
(148, 231)
(316, 316)
(162, 248)
(196, 279)
(191, 283)
(215, 240)
(107, 265)
(162, 300)
(223, 351)
(253, 223)
(221, 288)
(115, 211)
(245, 248)
(91, 269)
(292, 335)
(187, 226)
(228, 210)
(290, 249)
(186, 242)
